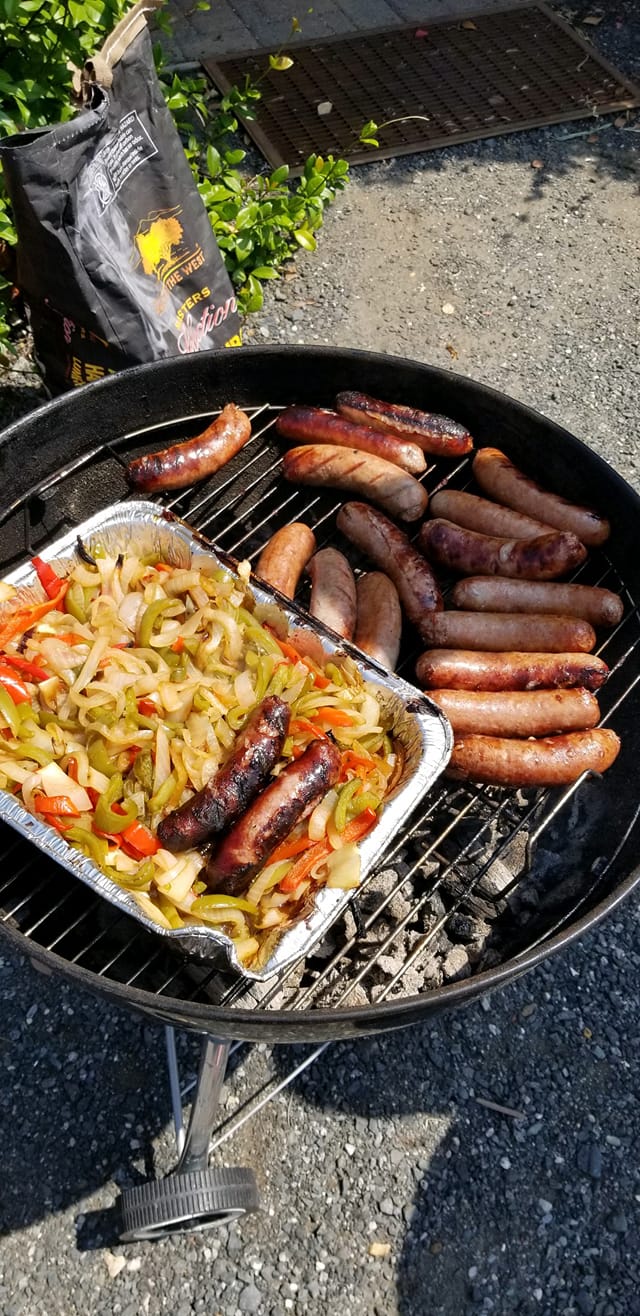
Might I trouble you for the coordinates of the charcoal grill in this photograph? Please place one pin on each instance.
(537, 869)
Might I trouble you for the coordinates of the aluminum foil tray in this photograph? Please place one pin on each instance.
(418, 724)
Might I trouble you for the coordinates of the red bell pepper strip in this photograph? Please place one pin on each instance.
(178, 645)
(49, 579)
(14, 686)
(354, 831)
(72, 637)
(58, 806)
(30, 670)
(25, 617)
(303, 724)
(147, 707)
(140, 839)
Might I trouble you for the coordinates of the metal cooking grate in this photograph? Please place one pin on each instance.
(492, 73)
(449, 848)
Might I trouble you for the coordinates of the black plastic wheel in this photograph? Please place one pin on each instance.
(183, 1203)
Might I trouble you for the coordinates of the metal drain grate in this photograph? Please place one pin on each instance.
(492, 73)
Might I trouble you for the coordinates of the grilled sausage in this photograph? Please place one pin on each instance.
(312, 425)
(515, 713)
(357, 473)
(466, 669)
(173, 468)
(292, 796)
(498, 477)
(500, 631)
(379, 618)
(285, 556)
(391, 550)
(227, 794)
(488, 518)
(470, 553)
(435, 434)
(552, 761)
(333, 591)
(600, 607)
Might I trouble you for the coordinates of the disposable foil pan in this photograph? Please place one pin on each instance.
(422, 729)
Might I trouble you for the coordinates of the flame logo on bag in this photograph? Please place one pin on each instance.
(162, 250)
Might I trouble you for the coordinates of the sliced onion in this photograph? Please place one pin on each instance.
(244, 691)
(53, 781)
(321, 815)
(343, 868)
(130, 609)
(163, 760)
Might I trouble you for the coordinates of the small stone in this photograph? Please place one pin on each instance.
(545, 1207)
(456, 964)
(114, 1264)
(397, 1156)
(589, 1159)
(618, 1223)
(505, 1163)
(585, 1303)
(349, 1148)
(250, 1299)
(387, 1207)
(134, 1264)
(528, 1010)
(448, 308)
(436, 1247)
(264, 330)
(379, 1249)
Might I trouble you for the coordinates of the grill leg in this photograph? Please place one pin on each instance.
(194, 1196)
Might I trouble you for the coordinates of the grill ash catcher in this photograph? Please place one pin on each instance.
(477, 886)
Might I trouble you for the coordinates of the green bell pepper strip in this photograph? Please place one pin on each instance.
(257, 633)
(137, 881)
(93, 846)
(149, 618)
(75, 603)
(368, 800)
(163, 795)
(169, 910)
(100, 713)
(236, 717)
(99, 759)
(278, 681)
(345, 797)
(9, 711)
(104, 817)
(264, 672)
(203, 904)
(334, 674)
(143, 770)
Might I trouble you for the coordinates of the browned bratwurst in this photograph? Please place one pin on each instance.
(288, 799)
(333, 591)
(379, 618)
(285, 556)
(392, 551)
(470, 553)
(313, 425)
(227, 794)
(517, 713)
(498, 477)
(552, 761)
(436, 434)
(173, 468)
(467, 669)
(357, 473)
(497, 631)
(598, 606)
(488, 518)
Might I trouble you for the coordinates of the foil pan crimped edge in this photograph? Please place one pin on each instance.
(420, 726)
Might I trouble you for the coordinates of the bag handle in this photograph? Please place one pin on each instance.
(98, 69)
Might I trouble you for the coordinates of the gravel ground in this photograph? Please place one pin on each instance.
(386, 1142)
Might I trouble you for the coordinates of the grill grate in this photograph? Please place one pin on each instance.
(497, 72)
(443, 860)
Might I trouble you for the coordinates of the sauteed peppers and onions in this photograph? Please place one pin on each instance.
(135, 687)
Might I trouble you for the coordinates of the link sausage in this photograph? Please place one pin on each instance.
(312, 425)
(379, 618)
(466, 669)
(488, 518)
(513, 713)
(498, 477)
(552, 761)
(333, 591)
(227, 794)
(496, 632)
(435, 434)
(357, 473)
(285, 556)
(470, 553)
(598, 606)
(184, 463)
(391, 550)
(288, 799)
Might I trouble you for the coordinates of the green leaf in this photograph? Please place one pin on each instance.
(279, 175)
(369, 130)
(234, 157)
(305, 239)
(280, 62)
(214, 161)
(255, 297)
(369, 141)
(265, 272)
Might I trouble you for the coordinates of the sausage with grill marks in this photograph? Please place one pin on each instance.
(550, 761)
(517, 713)
(289, 798)
(390, 549)
(600, 607)
(498, 477)
(333, 591)
(469, 553)
(227, 794)
(184, 463)
(436, 434)
(468, 669)
(285, 556)
(488, 518)
(313, 425)
(379, 618)
(500, 631)
(357, 473)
